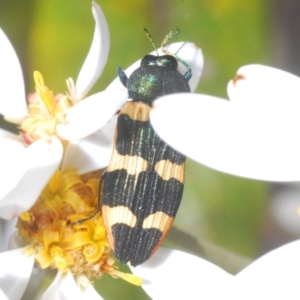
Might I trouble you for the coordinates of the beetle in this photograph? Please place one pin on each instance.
(142, 187)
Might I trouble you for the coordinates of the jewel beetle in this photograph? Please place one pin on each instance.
(142, 187)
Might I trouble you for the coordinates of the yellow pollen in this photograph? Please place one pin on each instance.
(45, 111)
(60, 244)
(26, 216)
(128, 277)
(45, 94)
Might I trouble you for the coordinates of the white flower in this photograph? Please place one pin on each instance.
(16, 270)
(52, 238)
(172, 274)
(65, 287)
(273, 276)
(49, 235)
(284, 207)
(254, 135)
(26, 170)
(6, 229)
(13, 285)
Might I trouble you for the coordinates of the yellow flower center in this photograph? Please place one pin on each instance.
(45, 111)
(57, 242)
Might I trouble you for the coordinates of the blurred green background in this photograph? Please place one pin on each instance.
(54, 38)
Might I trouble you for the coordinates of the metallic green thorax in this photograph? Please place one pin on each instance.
(157, 76)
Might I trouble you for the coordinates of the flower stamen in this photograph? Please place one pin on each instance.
(59, 244)
(45, 112)
(45, 94)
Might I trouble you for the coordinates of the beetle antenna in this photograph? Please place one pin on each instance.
(151, 40)
(166, 40)
(180, 47)
(169, 37)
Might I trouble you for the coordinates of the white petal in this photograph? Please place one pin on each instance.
(16, 241)
(7, 228)
(91, 114)
(2, 296)
(90, 293)
(284, 207)
(12, 91)
(64, 287)
(5, 133)
(93, 152)
(238, 140)
(273, 276)
(97, 56)
(34, 168)
(15, 272)
(87, 291)
(187, 51)
(264, 86)
(11, 156)
(172, 274)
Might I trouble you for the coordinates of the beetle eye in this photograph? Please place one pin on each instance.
(167, 61)
(149, 60)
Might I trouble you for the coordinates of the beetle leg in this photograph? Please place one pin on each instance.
(80, 221)
(122, 76)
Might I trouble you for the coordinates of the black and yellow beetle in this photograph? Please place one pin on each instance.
(141, 189)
